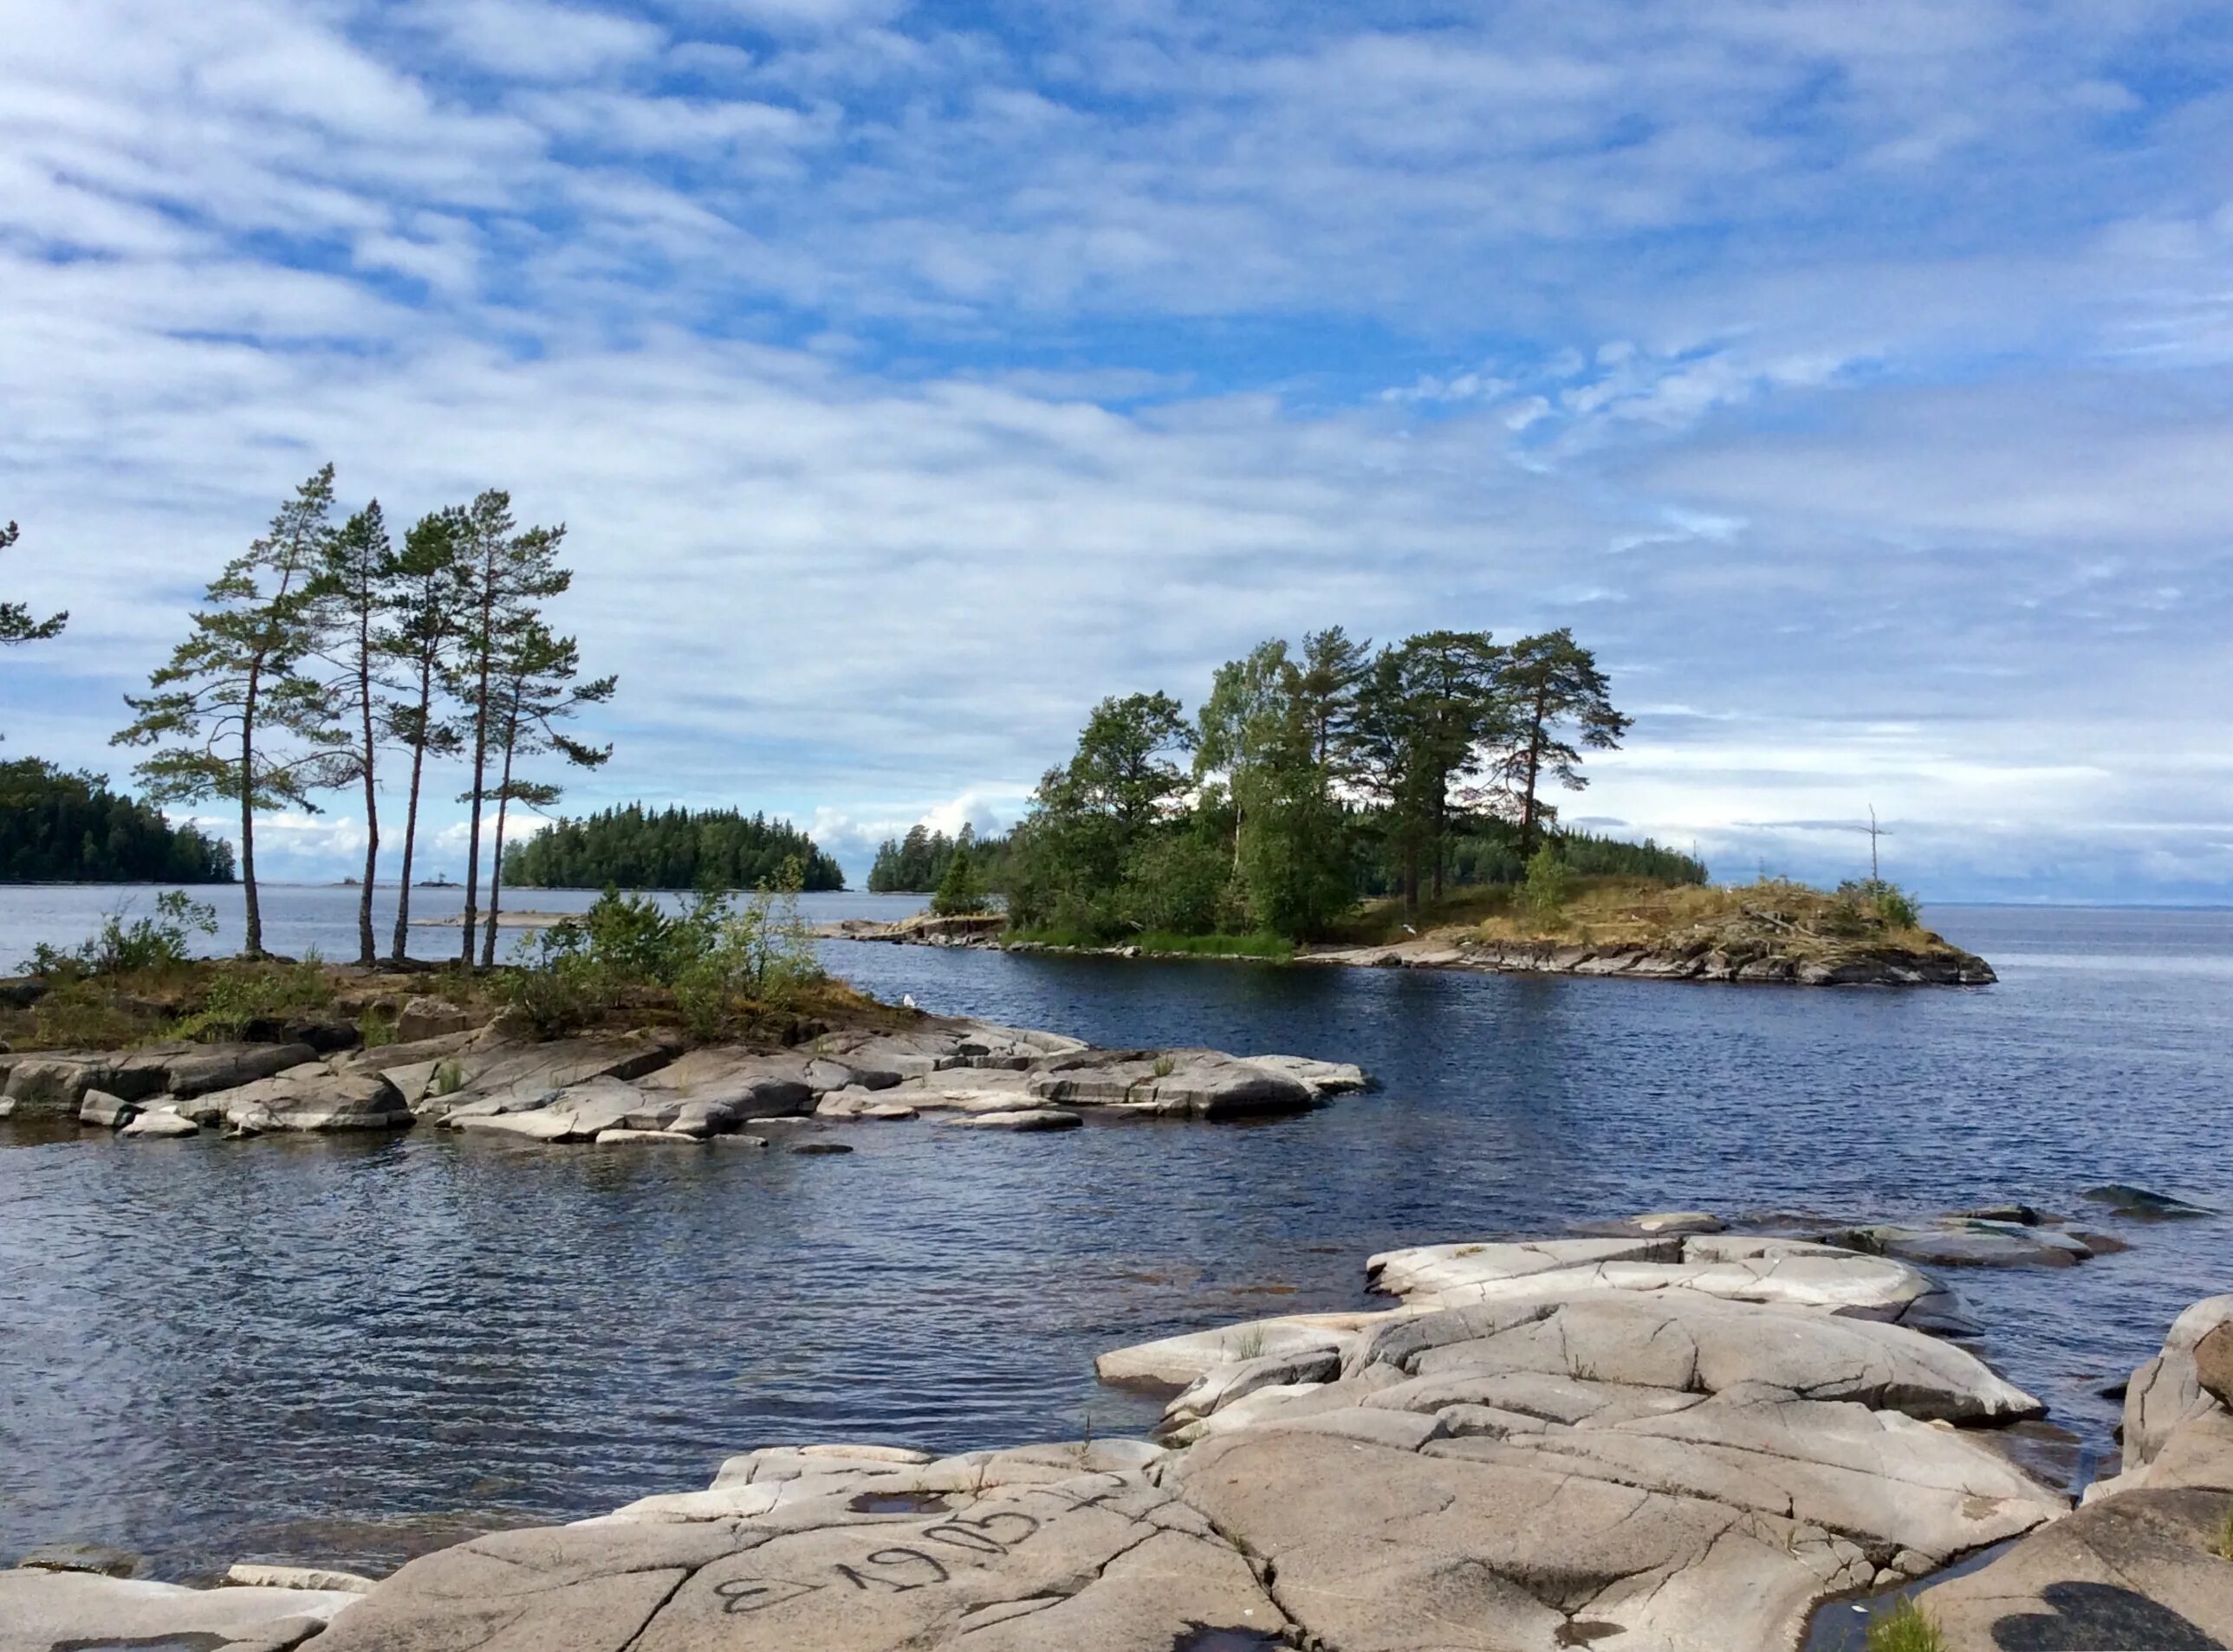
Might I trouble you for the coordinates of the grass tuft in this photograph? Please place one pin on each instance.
(1906, 1628)
(2225, 1535)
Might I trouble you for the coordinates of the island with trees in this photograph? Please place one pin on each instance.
(1336, 803)
(636, 848)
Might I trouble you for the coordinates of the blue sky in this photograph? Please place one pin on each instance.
(1859, 380)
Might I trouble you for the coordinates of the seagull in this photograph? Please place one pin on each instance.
(907, 1000)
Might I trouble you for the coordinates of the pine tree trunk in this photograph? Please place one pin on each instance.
(1534, 767)
(366, 946)
(252, 945)
(411, 811)
(486, 643)
(496, 867)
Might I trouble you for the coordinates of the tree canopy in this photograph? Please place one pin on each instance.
(636, 848)
(1316, 776)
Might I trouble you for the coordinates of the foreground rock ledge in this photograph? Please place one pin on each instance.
(1676, 1444)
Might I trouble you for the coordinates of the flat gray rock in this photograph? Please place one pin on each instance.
(41, 1611)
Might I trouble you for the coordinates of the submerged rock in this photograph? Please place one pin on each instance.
(2143, 1204)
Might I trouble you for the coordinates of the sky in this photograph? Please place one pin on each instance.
(1857, 381)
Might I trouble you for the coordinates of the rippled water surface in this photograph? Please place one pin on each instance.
(349, 1350)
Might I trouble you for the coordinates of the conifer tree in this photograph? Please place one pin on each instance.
(233, 713)
(17, 624)
(1552, 683)
(504, 573)
(422, 592)
(349, 597)
(536, 690)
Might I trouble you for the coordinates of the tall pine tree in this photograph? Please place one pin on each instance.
(233, 713)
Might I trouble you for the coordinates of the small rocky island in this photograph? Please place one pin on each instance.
(1683, 1442)
(1747, 943)
(647, 1086)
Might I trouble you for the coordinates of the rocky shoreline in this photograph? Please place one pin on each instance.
(1755, 961)
(1678, 1440)
(646, 1087)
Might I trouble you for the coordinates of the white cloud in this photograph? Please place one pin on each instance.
(907, 388)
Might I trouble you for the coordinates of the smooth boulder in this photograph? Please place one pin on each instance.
(314, 1097)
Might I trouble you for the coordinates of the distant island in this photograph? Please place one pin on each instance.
(1330, 803)
(56, 826)
(636, 848)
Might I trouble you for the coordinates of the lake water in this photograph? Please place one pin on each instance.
(350, 1350)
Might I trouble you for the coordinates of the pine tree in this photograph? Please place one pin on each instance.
(421, 586)
(236, 687)
(536, 690)
(17, 624)
(504, 574)
(350, 598)
(1553, 683)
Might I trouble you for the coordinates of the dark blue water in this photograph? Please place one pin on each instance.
(349, 1350)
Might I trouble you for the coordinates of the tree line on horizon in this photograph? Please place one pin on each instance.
(56, 826)
(635, 848)
(1309, 778)
(325, 646)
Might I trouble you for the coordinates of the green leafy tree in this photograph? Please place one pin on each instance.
(1248, 722)
(537, 688)
(17, 624)
(1069, 858)
(233, 714)
(420, 585)
(1561, 703)
(504, 574)
(347, 607)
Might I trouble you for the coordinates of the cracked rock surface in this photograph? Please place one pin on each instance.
(1633, 1467)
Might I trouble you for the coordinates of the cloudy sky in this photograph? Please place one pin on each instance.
(1857, 379)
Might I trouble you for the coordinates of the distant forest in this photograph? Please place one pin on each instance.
(56, 826)
(672, 848)
(917, 864)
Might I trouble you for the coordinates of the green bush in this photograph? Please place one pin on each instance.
(240, 993)
(162, 941)
(1549, 884)
(707, 958)
(1891, 906)
(959, 892)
